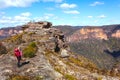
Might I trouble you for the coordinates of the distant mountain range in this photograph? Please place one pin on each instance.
(73, 32)
(9, 31)
(90, 32)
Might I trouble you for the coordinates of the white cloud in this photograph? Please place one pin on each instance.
(90, 16)
(15, 20)
(46, 16)
(6, 18)
(102, 16)
(72, 12)
(21, 18)
(97, 3)
(26, 14)
(16, 3)
(67, 6)
(56, 1)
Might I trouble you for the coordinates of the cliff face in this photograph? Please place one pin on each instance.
(97, 44)
(53, 59)
(109, 29)
(88, 33)
(68, 30)
(6, 32)
(116, 34)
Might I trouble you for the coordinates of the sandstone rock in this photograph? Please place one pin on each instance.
(37, 25)
(64, 53)
(116, 34)
(88, 33)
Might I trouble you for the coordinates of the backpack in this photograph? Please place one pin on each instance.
(17, 52)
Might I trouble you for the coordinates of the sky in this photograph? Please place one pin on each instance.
(60, 12)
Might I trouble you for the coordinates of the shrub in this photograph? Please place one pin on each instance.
(33, 44)
(17, 39)
(2, 49)
(75, 61)
(58, 70)
(30, 50)
(70, 77)
(20, 78)
(39, 78)
(31, 33)
(99, 78)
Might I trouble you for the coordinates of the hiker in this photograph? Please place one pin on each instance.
(18, 54)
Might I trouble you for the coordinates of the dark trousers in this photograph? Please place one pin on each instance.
(18, 58)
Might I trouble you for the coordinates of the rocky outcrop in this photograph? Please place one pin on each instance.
(37, 25)
(116, 34)
(43, 32)
(88, 33)
(64, 53)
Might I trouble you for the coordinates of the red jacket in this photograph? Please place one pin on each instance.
(17, 52)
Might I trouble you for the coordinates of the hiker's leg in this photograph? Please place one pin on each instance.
(19, 58)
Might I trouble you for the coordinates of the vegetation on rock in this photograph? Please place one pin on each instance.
(70, 77)
(30, 50)
(19, 78)
(3, 49)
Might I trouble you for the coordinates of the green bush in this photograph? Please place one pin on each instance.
(33, 44)
(30, 50)
(70, 77)
(99, 78)
(39, 78)
(3, 49)
(20, 78)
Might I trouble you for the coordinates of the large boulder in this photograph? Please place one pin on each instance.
(64, 53)
(37, 25)
(45, 24)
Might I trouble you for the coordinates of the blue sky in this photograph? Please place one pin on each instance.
(60, 12)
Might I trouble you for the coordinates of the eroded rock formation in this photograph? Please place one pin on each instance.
(88, 33)
(116, 34)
